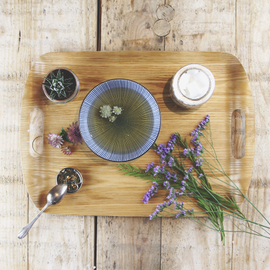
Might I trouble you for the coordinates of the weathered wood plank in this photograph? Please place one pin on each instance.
(251, 252)
(128, 25)
(199, 26)
(13, 196)
(28, 30)
(128, 243)
(203, 25)
(61, 242)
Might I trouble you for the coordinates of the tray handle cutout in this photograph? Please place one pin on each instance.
(36, 127)
(238, 133)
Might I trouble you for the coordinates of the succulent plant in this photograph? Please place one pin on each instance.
(112, 118)
(117, 110)
(105, 111)
(57, 84)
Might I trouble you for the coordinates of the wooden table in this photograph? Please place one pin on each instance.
(29, 29)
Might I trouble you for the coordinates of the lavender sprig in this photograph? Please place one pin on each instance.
(184, 182)
(151, 192)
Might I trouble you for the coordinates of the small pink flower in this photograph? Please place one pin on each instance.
(55, 140)
(66, 150)
(74, 133)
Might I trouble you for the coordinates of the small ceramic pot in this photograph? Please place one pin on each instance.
(71, 177)
(182, 96)
(71, 92)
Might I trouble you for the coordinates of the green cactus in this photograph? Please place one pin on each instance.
(57, 84)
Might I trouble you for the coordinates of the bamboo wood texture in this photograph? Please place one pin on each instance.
(106, 191)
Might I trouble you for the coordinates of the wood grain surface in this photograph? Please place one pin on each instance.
(29, 29)
(105, 192)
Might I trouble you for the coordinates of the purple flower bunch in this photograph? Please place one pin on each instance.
(188, 151)
(172, 194)
(160, 208)
(165, 151)
(167, 170)
(201, 126)
(149, 166)
(166, 184)
(198, 150)
(181, 211)
(199, 162)
(151, 192)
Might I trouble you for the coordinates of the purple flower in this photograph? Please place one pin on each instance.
(166, 184)
(188, 151)
(201, 126)
(171, 162)
(66, 150)
(181, 214)
(155, 214)
(178, 206)
(199, 162)
(163, 169)
(196, 133)
(149, 166)
(164, 204)
(174, 176)
(168, 175)
(160, 149)
(156, 170)
(164, 151)
(179, 193)
(151, 192)
(74, 134)
(55, 140)
(160, 208)
(189, 170)
(171, 195)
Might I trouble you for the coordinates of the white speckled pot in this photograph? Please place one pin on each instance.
(178, 96)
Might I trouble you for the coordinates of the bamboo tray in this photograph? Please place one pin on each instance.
(106, 192)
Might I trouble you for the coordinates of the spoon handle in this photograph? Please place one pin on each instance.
(24, 231)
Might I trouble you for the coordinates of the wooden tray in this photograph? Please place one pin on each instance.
(106, 192)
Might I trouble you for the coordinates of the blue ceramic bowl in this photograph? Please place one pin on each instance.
(132, 133)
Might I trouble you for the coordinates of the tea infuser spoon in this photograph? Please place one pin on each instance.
(54, 196)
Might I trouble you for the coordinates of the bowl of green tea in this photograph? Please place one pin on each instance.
(71, 177)
(119, 120)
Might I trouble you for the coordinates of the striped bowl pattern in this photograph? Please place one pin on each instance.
(132, 133)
